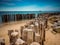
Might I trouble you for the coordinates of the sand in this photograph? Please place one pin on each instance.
(51, 39)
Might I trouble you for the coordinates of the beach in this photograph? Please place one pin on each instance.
(50, 38)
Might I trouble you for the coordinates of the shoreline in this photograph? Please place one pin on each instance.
(14, 22)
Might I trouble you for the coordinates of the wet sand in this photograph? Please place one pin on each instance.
(51, 39)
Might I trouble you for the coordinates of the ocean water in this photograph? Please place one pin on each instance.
(19, 12)
(23, 12)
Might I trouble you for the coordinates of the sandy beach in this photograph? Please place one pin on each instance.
(50, 39)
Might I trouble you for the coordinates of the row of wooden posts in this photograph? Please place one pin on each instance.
(40, 29)
(30, 36)
(16, 17)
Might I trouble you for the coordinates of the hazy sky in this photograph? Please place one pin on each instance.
(29, 5)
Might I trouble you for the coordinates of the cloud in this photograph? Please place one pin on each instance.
(10, 4)
(23, 8)
(7, 3)
(51, 8)
(31, 8)
(10, 0)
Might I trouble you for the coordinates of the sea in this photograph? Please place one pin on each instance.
(24, 12)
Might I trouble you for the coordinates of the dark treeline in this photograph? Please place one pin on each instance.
(17, 17)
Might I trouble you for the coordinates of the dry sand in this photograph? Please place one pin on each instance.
(51, 39)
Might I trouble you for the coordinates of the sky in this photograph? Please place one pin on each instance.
(29, 5)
